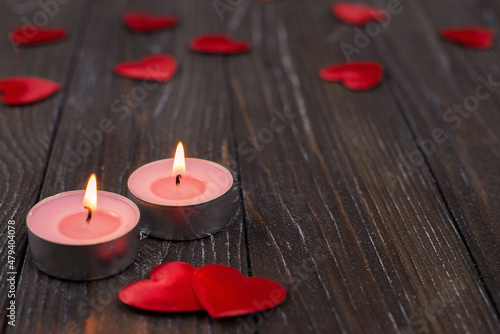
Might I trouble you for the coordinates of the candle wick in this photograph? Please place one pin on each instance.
(178, 179)
(89, 215)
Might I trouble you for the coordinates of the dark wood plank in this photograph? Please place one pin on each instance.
(357, 252)
(193, 108)
(466, 163)
(26, 132)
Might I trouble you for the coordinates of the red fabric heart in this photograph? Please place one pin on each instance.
(225, 292)
(170, 289)
(159, 67)
(357, 75)
(31, 35)
(357, 14)
(475, 37)
(147, 22)
(218, 43)
(25, 90)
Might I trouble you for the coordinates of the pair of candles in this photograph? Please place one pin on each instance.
(82, 235)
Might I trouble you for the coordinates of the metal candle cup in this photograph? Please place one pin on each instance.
(199, 206)
(59, 248)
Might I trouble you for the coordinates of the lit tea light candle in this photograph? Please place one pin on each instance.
(83, 235)
(182, 198)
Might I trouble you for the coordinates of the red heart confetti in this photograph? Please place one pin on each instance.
(357, 14)
(24, 90)
(357, 75)
(218, 43)
(32, 35)
(225, 292)
(159, 67)
(471, 36)
(170, 289)
(146, 22)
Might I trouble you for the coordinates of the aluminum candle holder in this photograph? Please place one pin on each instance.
(197, 207)
(57, 252)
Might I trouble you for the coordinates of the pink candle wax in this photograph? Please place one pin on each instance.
(199, 206)
(201, 182)
(61, 219)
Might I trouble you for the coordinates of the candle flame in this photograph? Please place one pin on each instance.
(179, 163)
(90, 199)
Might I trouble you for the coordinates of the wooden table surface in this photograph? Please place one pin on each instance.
(377, 210)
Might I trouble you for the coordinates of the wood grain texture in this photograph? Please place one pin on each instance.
(456, 100)
(364, 241)
(26, 132)
(349, 242)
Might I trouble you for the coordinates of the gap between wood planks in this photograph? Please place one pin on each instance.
(243, 206)
(417, 139)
